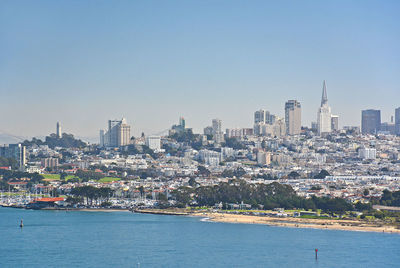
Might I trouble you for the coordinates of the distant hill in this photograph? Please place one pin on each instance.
(66, 141)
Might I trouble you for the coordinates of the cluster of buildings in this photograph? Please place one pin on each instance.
(118, 134)
(275, 149)
(371, 123)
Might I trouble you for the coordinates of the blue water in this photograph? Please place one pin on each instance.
(123, 239)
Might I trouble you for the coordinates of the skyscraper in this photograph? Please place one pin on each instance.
(123, 133)
(264, 117)
(118, 134)
(370, 121)
(335, 122)
(182, 122)
(102, 138)
(259, 116)
(324, 117)
(58, 130)
(293, 117)
(15, 151)
(397, 120)
(217, 130)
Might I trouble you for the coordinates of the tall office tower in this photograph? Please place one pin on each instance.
(102, 142)
(15, 151)
(293, 117)
(314, 126)
(208, 130)
(335, 122)
(217, 125)
(124, 133)
(182, 122)
(118, 134)
(217, 130)
(113, 133)
(370, 121)
(264, 117)
(58, 130)
(259, 116)
(324, 119)
(397, 120)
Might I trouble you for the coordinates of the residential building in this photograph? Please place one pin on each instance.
(293, 117)
(124, 134)
(218, 135)
(397, 120)
(335, 122)
(154, 143)
(49, 162)
(118, 134)
(263, 158)
(367, 153)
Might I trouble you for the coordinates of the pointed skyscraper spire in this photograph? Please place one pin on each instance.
(324, 99)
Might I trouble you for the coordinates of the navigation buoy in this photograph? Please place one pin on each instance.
(316, 253)
(21, 224)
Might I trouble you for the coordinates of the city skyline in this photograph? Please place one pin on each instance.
(211, 64)
(265, 116)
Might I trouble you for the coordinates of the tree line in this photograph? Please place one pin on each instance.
(90, 195)
(266, 196)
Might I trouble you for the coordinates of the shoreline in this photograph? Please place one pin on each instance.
(322, 224)
(73, 209)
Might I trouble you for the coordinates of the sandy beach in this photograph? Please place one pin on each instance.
(331, 224)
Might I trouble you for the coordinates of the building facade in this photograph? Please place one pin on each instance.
(15, 151)
(397, 120)
(218, 135)
(335, 122)
(293, 117)
(117, 135)
(49, 162)
(324, 116)
(154, 143)
(370, 121)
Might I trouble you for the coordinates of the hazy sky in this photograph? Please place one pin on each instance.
(84, 62)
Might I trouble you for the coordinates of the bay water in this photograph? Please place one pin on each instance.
(125, 239)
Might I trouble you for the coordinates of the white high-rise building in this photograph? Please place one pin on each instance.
(118, 134)
(367, 153)
(293, 117)
(124, 133)
(102, 142)
(217, 130)
(324, 117)
(154, 143)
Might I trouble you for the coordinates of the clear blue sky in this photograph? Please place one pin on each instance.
(84, 62)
